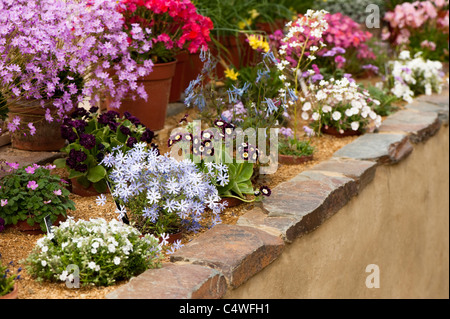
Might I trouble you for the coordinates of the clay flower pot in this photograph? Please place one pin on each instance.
(47, 136)
(82, 191)
(333, 131)
(24, 227)
(293, 159)
(152, 113)
(13, 294)
(178, 83)
(231, 201)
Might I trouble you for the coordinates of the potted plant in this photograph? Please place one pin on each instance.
(30, 194)
(91, 136)
(159, 194)
(292, 150)
(8, 281)
(170, 26)
(105, 253)
(51, 65)
(231, 171)
(340, 107)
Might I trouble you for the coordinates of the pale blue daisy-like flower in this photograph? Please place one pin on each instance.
(101, 200)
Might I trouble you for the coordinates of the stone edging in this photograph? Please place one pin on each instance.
(226, 256)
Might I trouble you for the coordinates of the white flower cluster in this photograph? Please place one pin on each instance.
(416, 75)
(103, 251)
(340, 103)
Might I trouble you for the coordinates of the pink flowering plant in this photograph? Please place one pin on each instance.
(342, 43)
(31, 193)
(172, 25)
(58, 53)
(420, 26)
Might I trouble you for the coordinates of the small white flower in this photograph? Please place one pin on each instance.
(44, 249)
(336, 116)
(355, 126)
(43, 263)
(326, 109)
(305, 116)
(315, 116)
(92, 265)
(306, 106)
(116, 261)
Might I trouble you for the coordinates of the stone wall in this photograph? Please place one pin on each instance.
(382, 200)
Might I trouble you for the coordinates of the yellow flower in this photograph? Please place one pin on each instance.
(231, 74)
(253, 14)
(258, 42)
(243, 24)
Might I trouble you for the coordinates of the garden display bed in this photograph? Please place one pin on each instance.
(16, 245)
(365, 110)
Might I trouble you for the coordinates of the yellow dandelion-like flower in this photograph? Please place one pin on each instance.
(231, 74)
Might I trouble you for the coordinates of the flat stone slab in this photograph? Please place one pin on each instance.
(174, 281)
(303, 203)
(441, 109)
(25, 158)
(238, 252)
(419, 125)
(362, 172)
(380, 147)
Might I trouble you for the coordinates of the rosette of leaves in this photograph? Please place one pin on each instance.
(32, 193)
(91, 136)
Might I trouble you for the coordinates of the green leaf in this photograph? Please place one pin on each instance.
(60, 162)
(76, 174)
(101, 186)
(83, 181)
(246, 173)
(235, 188)
(96, 174)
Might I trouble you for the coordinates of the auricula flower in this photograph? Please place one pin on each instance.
(32, 185)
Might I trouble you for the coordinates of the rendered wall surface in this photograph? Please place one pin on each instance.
(399, 222)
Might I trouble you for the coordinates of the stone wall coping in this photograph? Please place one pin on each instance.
(226, 256)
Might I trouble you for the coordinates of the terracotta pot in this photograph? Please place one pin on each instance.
(232, 202)
(24, 227)
(332, 131)
(178, 84)
(237, 52)
(152, 113)
(80, 190)
(192, 68)
(47, 136)
(293, 159)
(13, 294)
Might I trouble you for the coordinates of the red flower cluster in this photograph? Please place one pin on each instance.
(174, 23)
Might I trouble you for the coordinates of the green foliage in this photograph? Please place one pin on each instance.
(7, 277)
(385, 98)
(104, 252)
(94, 136)
(50, 197)
(294, 146)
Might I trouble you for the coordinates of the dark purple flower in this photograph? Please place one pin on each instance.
(147, 136)
(125, 130)
(131, 141)
(78, 156)
(68, 133)
(2, 224)
(81, 168)
(79, 112)
(265, 191)
(88, 141)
